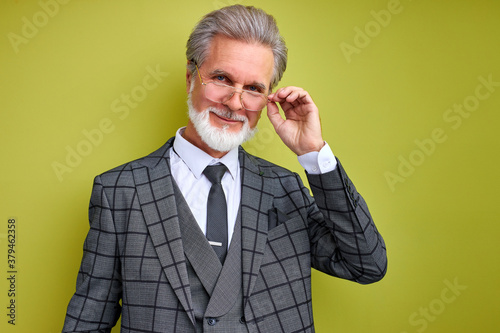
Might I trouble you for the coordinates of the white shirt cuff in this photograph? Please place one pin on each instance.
(318, 162)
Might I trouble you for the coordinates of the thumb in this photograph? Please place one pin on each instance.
(273, 113)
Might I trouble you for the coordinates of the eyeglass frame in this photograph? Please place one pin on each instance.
(232, 94)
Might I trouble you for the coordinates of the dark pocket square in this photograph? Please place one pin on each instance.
(276, 217)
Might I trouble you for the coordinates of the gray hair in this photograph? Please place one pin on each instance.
(243, 23)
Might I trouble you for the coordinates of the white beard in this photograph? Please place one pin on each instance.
(219, 139)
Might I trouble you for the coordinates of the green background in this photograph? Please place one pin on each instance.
(383, 84)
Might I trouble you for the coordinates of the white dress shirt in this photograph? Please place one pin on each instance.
(187, 163)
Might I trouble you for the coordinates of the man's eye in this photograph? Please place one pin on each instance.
(254, 89)
(220, 78)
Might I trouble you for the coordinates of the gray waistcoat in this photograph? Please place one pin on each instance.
(216, 290)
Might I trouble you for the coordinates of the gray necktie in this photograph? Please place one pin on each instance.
(217, 211)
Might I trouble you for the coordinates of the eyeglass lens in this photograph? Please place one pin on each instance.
(222, 93)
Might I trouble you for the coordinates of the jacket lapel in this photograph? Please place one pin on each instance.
(256, 200)
(156, 196)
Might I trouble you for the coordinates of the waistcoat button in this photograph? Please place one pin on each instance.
(211, 321)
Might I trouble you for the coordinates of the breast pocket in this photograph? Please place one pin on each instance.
(284, 282)
(287, 253)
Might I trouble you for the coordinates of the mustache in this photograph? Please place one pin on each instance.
(227, 114)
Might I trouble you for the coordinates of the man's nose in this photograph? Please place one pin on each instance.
(234, 101)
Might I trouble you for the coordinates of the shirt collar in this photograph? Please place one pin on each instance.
(197, 160)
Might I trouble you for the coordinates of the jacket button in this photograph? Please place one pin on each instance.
(211, 321)
(243, 320)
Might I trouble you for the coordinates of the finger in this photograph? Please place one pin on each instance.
(273, 113)
(294, 95)
(276, 97)
(300, 97)
(285, 92)
(293, 100)
(282, 93)
(285, 106)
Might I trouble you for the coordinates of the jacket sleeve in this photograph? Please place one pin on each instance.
(95, 305)
(344, 240)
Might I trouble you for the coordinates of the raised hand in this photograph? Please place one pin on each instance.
(300, 130)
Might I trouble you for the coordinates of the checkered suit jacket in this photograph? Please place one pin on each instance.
(134, 249)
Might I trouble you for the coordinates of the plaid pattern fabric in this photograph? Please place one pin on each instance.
(134, 250)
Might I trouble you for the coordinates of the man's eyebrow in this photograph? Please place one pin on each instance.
(216, 72)
(260, 85)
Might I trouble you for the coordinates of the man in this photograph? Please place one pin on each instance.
(178, 264)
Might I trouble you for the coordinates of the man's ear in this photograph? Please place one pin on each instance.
(189, 77)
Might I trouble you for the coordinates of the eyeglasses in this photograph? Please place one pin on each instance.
(220, 93)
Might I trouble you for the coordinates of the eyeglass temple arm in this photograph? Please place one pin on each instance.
(198, 71)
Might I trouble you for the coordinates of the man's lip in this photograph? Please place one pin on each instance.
(227, 119)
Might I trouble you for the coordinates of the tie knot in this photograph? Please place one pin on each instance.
(214, 173)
